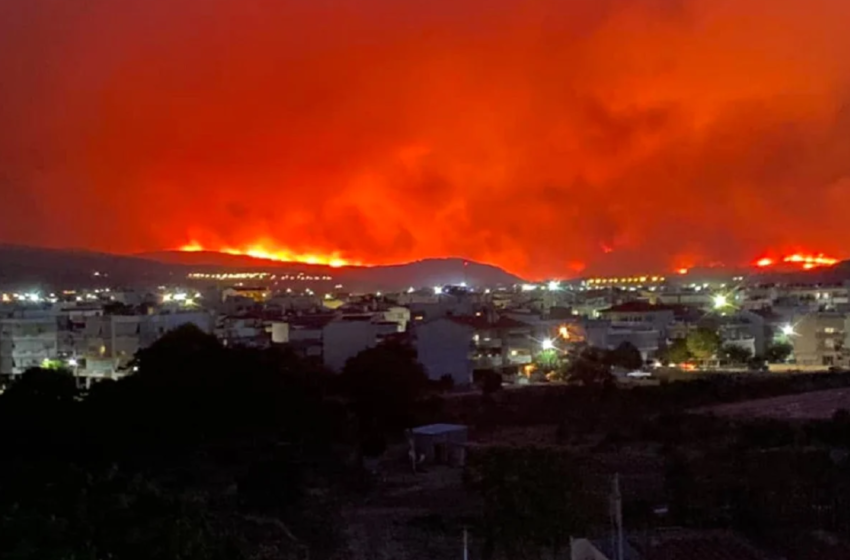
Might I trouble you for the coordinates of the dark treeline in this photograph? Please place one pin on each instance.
(778, 482)
(204, 453)
(608, 406)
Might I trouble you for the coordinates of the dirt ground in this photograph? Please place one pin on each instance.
(411, 516)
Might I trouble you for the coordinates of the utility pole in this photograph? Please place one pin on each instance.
(618, 517)
(465, 543)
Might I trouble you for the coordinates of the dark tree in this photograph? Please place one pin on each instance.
(532, 498)
(590, 368)
(39, 387)
(703, 344)
(778, 352)
(626, 356)
(676, 353)
(177, 460)
(385, 384)
(735, 354)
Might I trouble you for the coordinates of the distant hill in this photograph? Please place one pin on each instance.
(22, 267)
(426, 272)
(211, 258)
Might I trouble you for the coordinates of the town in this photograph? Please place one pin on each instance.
(648, 417)
(521, 332)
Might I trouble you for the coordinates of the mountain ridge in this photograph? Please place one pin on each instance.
(68, 268)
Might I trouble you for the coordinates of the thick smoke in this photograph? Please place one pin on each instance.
(541, 135)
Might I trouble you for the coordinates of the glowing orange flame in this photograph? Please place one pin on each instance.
(260, 251)
(806, 262)
(813, 260)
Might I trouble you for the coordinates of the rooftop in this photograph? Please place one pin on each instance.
(435, 429)
(482, 322)
(640, 307)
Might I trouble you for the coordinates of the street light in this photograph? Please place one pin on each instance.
(788, 329)
(73, 362)
(547, 344)
(720, 301)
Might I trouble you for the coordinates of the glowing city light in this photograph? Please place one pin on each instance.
(788, 330)
(720, 301)
(554, 286)
(547, 344)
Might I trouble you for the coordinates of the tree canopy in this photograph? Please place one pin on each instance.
(384, 383)
(590, 368)
(703, 344)
(185, 458)
(778, 352)
(735, 354)
(626, 355)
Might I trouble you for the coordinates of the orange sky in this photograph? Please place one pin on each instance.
(540, 135)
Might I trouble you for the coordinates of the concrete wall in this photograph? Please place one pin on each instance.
(820, 339)
(443, 348)
(26, 343)
(345, 339)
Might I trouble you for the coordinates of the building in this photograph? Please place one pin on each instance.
(499, 341)
(646, 339)
(27, 341)
(110, 343)
(444, 347)
(346, 337)
(441, 444)
(257, 294)
(304, 334)
(820, 339)
(641, 314)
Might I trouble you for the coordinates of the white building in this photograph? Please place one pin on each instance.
(345, 338)
(399, 315)
(110, 342)
(820, 339)
(27, 342)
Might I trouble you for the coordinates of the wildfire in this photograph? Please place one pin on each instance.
(807, 262)
(260, 251)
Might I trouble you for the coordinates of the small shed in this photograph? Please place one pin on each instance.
(441, 444)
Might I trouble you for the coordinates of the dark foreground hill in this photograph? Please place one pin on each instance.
(21, 267)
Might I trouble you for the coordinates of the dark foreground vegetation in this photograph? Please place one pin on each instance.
(209, 452)
(204, 453)
(775, 481)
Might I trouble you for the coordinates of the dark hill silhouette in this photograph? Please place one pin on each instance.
(22, 266)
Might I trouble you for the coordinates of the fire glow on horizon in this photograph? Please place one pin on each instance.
(806, 262)
(271, 251)
(265, 251)
(549, 138)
